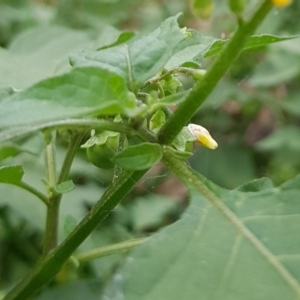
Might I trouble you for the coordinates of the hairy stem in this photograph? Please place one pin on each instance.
(52, 222)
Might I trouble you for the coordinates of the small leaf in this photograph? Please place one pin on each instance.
(171, 84)
(182, 138)
(99, 138)
(64, 187)
(139, 157)
(8, 151)
(11, 174)
(157, 120)
(254, 41)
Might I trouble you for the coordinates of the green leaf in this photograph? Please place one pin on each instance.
(141, 58)
(39, 53)
(11, 174)
(79, 289)
(83, 91)
(99, 138)
(171, 84)
(256, 185)
(286, 138)
(150, 212)
(155, 103)
(250, 253)
(139, 157)
(182, 138)
(157, 120)
(278, 67)
(254, 41)
(7, 151)
(64, 187)
(122, 38)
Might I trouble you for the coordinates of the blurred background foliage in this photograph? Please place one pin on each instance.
(254, 114)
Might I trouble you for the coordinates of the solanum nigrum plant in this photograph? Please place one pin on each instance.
(115, 103)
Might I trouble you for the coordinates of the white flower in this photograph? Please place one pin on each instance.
(202, 135)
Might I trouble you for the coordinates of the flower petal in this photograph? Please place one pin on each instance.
(202, 136)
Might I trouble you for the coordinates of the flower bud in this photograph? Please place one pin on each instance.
(202, 136)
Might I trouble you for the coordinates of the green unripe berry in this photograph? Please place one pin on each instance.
(101, 155)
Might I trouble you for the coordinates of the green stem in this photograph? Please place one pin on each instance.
(156, 79)
(108, 250)
(88, 123)
(52, 263)
(50, 238)
(121, 145)
(205, 86)
(50, 160)
(34, 191)
(52, 222)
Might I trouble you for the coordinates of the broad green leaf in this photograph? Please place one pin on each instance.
(250, 253)
(253, 42)
(190, 49)
(286, 138)
(149, 212)
(122, 38)
(17, 72)
(139, 157)
(221, 165)
(11, 174)
(83, 91)
(139, 59)
(256, 185)
(278, 67)
(80, 289)
(39, 53)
